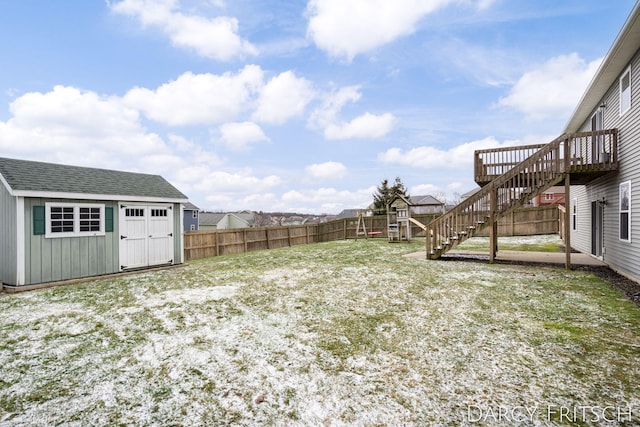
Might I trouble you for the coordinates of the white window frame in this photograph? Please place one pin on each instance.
(574, 214)
(194, 214)
(625, 96)
(76, 220)
(549, 197)
(621, 188)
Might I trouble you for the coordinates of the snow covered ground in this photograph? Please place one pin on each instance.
(341, 333)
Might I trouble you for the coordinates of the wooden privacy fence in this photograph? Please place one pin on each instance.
(528, 222)
(210, 243)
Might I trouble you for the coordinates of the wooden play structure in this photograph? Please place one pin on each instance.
(399, 219)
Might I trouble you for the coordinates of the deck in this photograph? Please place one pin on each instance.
(591, 155)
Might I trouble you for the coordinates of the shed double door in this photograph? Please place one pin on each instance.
(146, 235)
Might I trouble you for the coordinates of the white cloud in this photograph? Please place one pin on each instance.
(460, 157)
(215, 38)
(283, 97)
(238, 136)
(348, 28)
(552, 90)
(367, 125)
(233, 182)
(68, 125)
(199, 98)
(327, 199)
(327, 170)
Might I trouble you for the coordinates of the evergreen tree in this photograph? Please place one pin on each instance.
(384, 194)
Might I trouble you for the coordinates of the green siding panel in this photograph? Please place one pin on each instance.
(38, 220)
(68, 257)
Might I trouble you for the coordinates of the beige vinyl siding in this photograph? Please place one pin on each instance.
(622, 256)
(8, 237)
(55, 259)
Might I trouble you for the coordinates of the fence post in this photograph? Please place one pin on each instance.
(244, 239)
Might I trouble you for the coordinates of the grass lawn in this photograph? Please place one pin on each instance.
(339, 333)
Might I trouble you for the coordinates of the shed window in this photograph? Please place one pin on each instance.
(74, 220)
(625, 91)
(158, 212)
(625, 211)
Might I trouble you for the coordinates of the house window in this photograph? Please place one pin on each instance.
(72, 220)
(625, 211)
(625, 91)
(195, 214)
(193, 227)
(574, 214)
(549, 197)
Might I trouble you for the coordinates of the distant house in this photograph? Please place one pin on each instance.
(352, 213)
(191, 220)
(224, 221)
(426, 205)
(552, 196)
(64, 222)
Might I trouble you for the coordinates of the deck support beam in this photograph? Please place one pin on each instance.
(493, 221)
(567, 220)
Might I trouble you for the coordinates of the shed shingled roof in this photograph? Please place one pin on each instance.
(27, 175)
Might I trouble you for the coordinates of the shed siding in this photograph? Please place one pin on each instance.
(54, 259)
(622, 256)
(8, 237)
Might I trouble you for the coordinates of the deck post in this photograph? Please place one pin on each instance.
(493, 231)
(428, 243)
(567, 220)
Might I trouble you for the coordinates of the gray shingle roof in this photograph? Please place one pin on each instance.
(425, 200)
(40, 177)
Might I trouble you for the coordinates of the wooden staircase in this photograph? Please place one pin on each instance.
(513, 176)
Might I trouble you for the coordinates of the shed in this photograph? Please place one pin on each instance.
(62, 222)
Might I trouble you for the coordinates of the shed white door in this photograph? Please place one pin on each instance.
(146, 236)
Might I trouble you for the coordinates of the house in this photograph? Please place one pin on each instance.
(596, 159)
(224, 221)
(553, 196)
(605, 220)
(62, 222)
(191, 217)
(426, 205)
(352, 213)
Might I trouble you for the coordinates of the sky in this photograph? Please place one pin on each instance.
(293, 105)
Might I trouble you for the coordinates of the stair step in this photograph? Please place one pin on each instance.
(471, 227)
